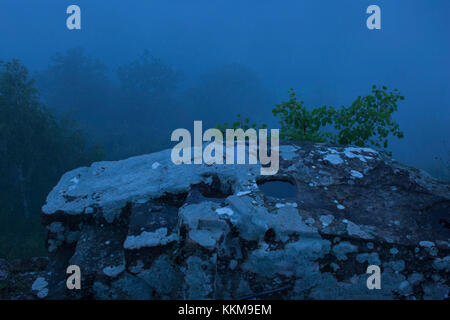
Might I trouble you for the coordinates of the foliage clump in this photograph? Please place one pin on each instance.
(241, 123)
(36, 148)
(368, 121)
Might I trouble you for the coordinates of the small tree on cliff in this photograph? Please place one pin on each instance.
(366, 122)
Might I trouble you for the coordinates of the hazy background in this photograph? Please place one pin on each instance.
(213, 59)
(321, 48)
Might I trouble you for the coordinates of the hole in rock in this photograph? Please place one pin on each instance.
(278, 189)
(175, 200)
(445, 223)
(439, 216)
(214, 189)
(269, 236)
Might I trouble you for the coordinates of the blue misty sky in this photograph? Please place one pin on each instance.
(321, 48)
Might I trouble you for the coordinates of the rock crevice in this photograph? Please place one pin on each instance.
(143, 231)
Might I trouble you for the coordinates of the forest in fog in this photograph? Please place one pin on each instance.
(131, 75)
(77, 110)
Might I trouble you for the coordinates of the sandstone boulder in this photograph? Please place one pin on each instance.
(144, 228)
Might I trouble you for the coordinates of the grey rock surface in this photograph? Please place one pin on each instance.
(144, 228)
(23, 279)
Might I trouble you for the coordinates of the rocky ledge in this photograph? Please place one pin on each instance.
(18, 276)
(144, 228)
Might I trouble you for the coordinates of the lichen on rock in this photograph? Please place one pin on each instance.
(145, 228)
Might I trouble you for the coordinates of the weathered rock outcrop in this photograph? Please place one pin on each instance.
(144, 228)
(18, 276)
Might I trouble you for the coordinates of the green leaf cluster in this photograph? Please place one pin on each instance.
(368, 121)
(241, 123)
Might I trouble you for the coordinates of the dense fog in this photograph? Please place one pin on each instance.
(138, 70)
